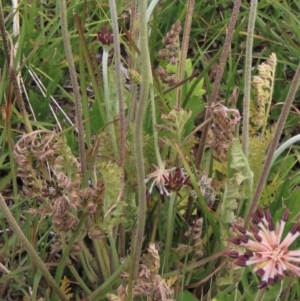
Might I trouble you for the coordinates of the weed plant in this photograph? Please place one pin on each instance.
(149, 150)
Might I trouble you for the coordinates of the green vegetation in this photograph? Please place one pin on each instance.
(148, 150)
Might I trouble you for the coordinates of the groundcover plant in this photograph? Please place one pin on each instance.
(149, 150)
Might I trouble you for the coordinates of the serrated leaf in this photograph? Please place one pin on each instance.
(174, 124)
(112, 175)
(65, 287)
(171, 280)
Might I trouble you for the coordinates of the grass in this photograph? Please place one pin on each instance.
(140, 195)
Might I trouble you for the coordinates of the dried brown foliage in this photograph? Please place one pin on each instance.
(149, 283)
(51, 178)
(222, 129)
(170, 53)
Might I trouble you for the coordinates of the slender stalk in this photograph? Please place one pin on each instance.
(89, 64)
(118, 66)
(17, 91)
(138, 138)
(247, 85)
(30, 250)
(170, 228)
(155, 132)
(100, 251)
(66, 251)
(272, 148)
(284, 146)
(131, 64)
(77, 97)
(218, 78)
(115, 277)
(184, 47)
(9, 135)
(114, 259)
(260, 294)
(87, 269)
(77, 277)
(154, 227)
(108, 104)
(85, 109)
(16, 33)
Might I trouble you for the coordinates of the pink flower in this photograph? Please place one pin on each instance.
(266, 249)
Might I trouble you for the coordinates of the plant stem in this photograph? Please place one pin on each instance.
(118, 67)
(69, 57)
(272, 148)
(132, 64)
(115, 277)
(170, 228)
(89, 64)
(155, 132)
(85, 108)
(260, 294)
(9, 135)
(17, 91)
(184, 47)
(247, 85)
(284, 146)
(138, 138)
(77, 277)
(218, 78)
(29, 249)
(108, 104)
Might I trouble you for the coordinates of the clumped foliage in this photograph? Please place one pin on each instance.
(126, 172)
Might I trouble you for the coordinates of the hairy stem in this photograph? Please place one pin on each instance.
(118, 66)
(218, 78)
(30, 250)
(247, 86)
(272, 148)
(69, 57)
(138, 137)
(132, 64)
(155, 132)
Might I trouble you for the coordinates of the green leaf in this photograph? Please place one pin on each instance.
(187, 296)
(174, 125)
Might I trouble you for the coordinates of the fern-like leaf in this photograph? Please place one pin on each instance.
(174, 125)
(258, 145)
(235, 187)
(65, 287)
(263, 86)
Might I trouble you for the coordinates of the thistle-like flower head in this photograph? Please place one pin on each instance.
(266, 249)
(167, 180)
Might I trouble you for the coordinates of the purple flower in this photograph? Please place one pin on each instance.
(167, 180)
(266, 249)
(105, 36)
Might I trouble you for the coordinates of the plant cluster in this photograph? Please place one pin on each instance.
(128, 172)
